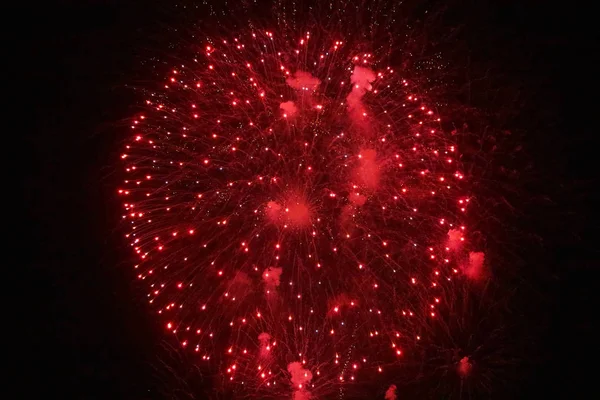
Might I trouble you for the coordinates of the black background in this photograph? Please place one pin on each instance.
(88, 335)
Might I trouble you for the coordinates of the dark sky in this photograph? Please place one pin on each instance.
(87, 333)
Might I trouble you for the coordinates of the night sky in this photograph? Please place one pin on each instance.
(88, 333)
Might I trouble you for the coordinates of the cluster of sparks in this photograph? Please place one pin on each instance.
(297, 210)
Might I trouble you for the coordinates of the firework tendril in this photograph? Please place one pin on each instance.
(298, 212)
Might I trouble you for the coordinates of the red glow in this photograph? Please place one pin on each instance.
(284, 226)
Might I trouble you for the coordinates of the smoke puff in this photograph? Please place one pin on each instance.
(367, 173)
(303, 81)
(264, 337)
(273, 211)
(474, 269)
(289, 108)
(299, 375)
(390, 394)
(271, 277)
(357, 199)
(301, 395)
(464, 367)
(293, 211)
(454, 238)
(361, 79)
(297, 213)
(264, 348)
(239, 286)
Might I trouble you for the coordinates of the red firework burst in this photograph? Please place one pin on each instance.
(297, 210)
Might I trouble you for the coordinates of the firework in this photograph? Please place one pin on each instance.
(298, 212)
